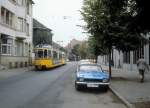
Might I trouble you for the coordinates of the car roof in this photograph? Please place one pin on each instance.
(90, 64)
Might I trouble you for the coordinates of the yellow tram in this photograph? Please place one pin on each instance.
(48, 57)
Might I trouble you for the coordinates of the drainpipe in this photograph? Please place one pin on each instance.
(0, 50)
(29, 60)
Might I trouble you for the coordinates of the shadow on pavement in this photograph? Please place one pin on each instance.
(142, 104)
(93, 90)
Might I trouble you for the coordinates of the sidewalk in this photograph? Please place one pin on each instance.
(6, 73)
(127, 85)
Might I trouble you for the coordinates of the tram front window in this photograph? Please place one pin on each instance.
(39, 54)
(45, 53)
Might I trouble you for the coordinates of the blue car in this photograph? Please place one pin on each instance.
(91, 76)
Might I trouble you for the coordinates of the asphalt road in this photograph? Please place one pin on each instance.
(52, 89)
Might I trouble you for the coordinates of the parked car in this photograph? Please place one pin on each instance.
(91, 76)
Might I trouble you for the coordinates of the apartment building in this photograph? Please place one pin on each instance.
(15, 33)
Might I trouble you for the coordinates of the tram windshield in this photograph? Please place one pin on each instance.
(41, 54)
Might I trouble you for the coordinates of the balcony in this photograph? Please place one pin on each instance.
(21, 35)
(6, 29)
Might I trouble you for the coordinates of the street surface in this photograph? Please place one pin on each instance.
(52, 89)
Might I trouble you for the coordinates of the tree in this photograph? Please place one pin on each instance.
(80, 50)
(75, 50)
(95, 49)
(113, 23)
(83, 50)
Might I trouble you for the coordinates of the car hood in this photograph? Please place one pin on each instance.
(92, 75)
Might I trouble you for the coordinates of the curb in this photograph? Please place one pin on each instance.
(129, 105)
(23, 68)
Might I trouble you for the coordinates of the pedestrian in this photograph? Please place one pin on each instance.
(142, 66)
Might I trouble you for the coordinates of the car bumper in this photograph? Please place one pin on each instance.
(98, 83)
(92, 84)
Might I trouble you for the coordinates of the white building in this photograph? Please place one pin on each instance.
(127, 60)
(15, 32)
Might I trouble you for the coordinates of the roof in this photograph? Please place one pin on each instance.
(38, 25)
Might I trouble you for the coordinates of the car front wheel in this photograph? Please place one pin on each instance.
(105, 88)
(77, 87)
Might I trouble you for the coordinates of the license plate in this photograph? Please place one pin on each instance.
(92, 85)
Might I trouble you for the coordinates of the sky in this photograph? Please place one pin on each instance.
(62, 16)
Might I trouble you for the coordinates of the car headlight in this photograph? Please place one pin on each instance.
(105, 80)
(81, 79)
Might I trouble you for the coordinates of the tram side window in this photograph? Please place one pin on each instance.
(55, 55)
(63, 56)
(60, 56)
(49, 53)
(45, 53)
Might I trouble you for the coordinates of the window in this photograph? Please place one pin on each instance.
(15, 50)
(54, 54)
(19, 48)
(60, 56)
(24, 25)
(11, 19)
(28, 8)
(26, 50)
(6, 46)
(20, 24)
(4, 49)
(49, 53)
(27, 29)
(39, 54)
(45, 54)
(3, 15)
(6, 17)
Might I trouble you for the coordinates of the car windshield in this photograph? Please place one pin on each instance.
(89, 68)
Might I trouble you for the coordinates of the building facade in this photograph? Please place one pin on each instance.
(127, 60)
(15, 33)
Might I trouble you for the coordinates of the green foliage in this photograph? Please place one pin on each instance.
(75, 50)
(94, 48)
(81, 50)
(122, 24)
(62, 49)
(112, 23)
